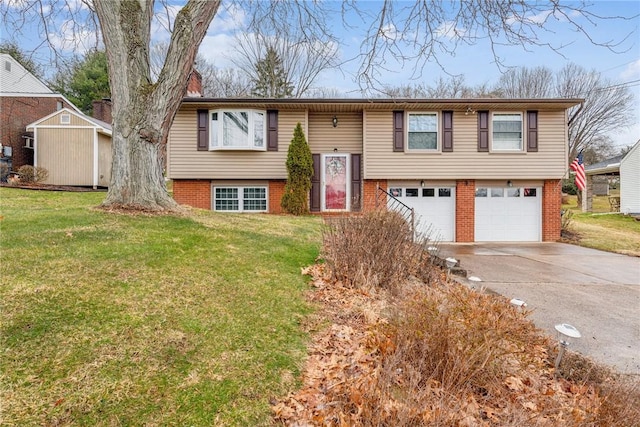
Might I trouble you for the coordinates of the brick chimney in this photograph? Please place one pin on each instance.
(194, 86)
(102, 110)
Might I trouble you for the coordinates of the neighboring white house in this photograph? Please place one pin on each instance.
(630, 181)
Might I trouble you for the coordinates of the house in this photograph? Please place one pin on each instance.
(23, 99)
(74, 148)
(627, 167)
(472, 169)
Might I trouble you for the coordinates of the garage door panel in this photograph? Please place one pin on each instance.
(434, 210)
(505, 214)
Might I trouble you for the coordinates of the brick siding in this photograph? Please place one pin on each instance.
(465, 210)
(551, 210)
(15, 114)
(371, 199)
(196, 193)
(276, 191)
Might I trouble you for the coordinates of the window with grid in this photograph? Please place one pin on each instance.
(423, 131)
(507, 132)
(240, 199)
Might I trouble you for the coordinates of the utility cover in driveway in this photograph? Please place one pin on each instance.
(434, 208)
(509, 214)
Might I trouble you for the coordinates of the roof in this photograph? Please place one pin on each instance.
(606, 166)
(15, 79)
(103, 127)
(385, 104)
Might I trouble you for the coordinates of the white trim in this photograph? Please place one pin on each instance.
(35, 147)
(84, 117)
(240, 199)
(323, 190)
(438, 148)
(523, 141)
(95, 158)
(250, 131)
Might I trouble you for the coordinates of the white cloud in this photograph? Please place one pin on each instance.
(74, 38)
(218, 50)
(229, 19)
(632, 71)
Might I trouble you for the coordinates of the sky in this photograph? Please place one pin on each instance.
(475, 63)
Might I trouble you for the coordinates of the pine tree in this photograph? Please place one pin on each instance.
(271, 80)
(299, 172)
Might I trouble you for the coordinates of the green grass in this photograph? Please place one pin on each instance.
(604, 230)
(110, 319)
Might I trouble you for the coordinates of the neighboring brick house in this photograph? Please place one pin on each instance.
(473, 169)
(23, 100)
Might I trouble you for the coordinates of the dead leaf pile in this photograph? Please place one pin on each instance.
(358, 372)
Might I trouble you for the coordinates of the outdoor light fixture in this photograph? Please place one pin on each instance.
(422, 183)
(518, 303)
(566, 333)
(509, 184)
(469, 111)
(474, 281)
(335, 121)
(433, 250)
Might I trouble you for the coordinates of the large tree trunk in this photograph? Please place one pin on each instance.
(144, 111)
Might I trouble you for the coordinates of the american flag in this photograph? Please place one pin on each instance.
(578, 167)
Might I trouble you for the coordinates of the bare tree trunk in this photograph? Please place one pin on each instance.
(144, 111)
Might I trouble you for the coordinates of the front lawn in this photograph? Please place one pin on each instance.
(604, 230)
(111, 319)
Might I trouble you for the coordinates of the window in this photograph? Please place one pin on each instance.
(395, 192)
(481, 192)
(240, 199)
(507, 132)
(529, 192)
(65, 119)
(411, 192)
(237, 130)
(497, 192)
(423, 131)
(444, 192)
(513, 192)
(428, 192)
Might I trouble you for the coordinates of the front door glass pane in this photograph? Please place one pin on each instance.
(336, 182)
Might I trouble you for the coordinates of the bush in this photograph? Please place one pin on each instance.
(569, 186)
(299, 173)
(29, 174)
(375, 249)
(566, 222)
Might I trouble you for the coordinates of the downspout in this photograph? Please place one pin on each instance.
(95, 158)
(35, 146)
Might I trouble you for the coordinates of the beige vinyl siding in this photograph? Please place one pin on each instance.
(465, 161)
(344, 138)
(67, 154)
(186, 162)
(74, 120)
(104, 160)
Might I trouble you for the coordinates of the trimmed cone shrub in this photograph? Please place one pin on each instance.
(299, 172)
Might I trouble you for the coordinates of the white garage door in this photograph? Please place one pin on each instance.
(511, 214)
(434, 209)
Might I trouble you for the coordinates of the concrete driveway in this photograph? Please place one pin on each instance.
(597, 292)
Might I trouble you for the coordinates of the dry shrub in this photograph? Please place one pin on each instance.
(30, 174)
(371, 250)
(620, 405)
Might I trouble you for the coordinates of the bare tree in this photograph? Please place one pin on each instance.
(536, 82)
(302, 60)
(607, 107)
(423, 32)
(216, 82)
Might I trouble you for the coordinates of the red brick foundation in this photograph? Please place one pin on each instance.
(276, 191)
(551, 210)
(196, 193)
(371, 200)
(465, 210)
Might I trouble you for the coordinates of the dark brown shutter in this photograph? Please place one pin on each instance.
(532, 131)
(447, 131)
(203, 130)
(483, 131)
(398, 131)
(272, 130)
(356, 183)
(315, 184)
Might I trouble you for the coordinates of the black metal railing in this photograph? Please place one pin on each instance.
(384, 198)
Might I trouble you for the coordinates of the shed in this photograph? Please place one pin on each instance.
(74, 148)
(630, 181)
